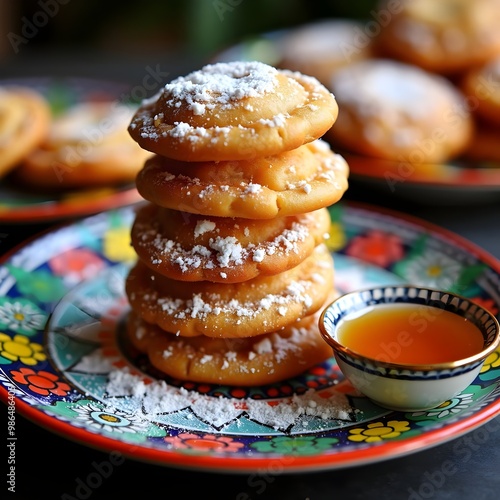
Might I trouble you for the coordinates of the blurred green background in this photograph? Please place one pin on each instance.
(200, 26)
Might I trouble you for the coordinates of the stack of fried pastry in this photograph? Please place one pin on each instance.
(232, 269)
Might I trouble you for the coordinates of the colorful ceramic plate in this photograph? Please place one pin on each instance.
(446, 183)
(65, 361)
(462, 181)
(19, 205)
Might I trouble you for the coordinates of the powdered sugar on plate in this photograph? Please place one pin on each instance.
(158, 398)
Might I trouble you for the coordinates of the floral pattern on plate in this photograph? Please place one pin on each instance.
(62, 347)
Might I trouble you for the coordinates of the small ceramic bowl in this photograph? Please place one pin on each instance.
(407, 386)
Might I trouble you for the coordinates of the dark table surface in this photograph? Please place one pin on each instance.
(466, 467)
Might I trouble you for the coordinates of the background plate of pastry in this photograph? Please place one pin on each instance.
(56, 135)
(66, 357)
(409, 127)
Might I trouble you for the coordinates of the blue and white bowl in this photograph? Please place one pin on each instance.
(408, 387)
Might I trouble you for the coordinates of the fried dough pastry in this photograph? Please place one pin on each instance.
(251, 361)
(445, 36)
(232, 267)
(234, 111)
(481, 85)
(189, 247)
(24, 123)
(396, 111)
(261, 305)
(298, 181)
(319, 48)
(88, 145)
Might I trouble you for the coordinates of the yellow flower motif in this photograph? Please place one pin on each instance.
(336, 239)
(117, 246)
(378, 431)
(492, 361)
(19, 348)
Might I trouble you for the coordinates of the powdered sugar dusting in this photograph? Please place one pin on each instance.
(199, 308)
(157, 398)
(386, 86)
(203, 226)
(221, 251)
(277, 121)
(221, 85)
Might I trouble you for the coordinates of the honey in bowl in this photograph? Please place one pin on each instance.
(406, 347)
(411, 334)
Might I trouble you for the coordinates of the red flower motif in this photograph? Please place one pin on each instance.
(41, 382)
(79, 262)
(376, 247)
(207, 442)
